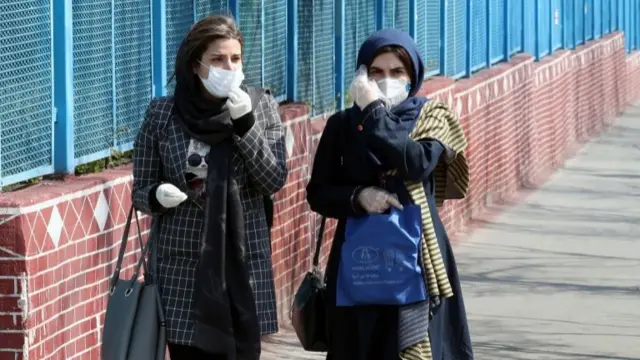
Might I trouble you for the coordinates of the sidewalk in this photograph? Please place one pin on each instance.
(556, 277)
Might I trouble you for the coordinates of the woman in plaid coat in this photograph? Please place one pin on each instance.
(205, 160)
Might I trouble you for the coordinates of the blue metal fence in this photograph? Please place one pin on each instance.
(76, 76)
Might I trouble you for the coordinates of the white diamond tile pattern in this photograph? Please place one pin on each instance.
(101, 212)
(54, 227)
(289, 141)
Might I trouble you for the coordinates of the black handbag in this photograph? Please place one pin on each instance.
(134, 325)
(309, 310)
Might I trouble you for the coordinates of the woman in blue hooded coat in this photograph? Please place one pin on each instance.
(367, 159)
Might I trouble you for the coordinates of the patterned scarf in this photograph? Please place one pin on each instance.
(451, 176)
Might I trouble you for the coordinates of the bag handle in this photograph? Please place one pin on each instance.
(123, 248)
(316, 255)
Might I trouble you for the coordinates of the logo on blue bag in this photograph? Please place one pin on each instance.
(393, 260)
(365, 255)
(389, 259)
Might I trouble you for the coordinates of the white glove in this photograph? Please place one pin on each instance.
(170, 196)
(238, 103)
(376, 201)
(363, 91)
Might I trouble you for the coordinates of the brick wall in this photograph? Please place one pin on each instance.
(58, 240)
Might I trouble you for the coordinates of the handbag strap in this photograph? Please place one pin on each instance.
(123, 248)
(144, 250)
(316, 255)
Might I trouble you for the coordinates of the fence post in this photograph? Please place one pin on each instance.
(627, 23)
(380, 9)
(339, 53)
(413, 15)
(443, 37)
(507, 30)
(292, 49)
(593, 19)
(114, 96)
(537, 28)
(262, 47)
(234, 7)
(636, 23)
(469, 45)
(552, 18)
(489, 37)
(159, 45)
(63, 151)
(596, 25)
(633, 17)
(524, 28)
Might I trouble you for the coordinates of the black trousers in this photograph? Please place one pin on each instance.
(184, 352)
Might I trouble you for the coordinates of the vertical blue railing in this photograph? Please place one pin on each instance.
(63, 150)
(292, 50)
(339, 54)
(159, 46)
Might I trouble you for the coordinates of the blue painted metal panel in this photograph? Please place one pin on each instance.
(63, 94)
(380, 13)
(498, 27)
(556, 19)
(292, 49)
(516, 21)
(479, 35)
(339, 54)
(159, 44)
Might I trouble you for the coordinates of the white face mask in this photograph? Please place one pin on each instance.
(220, 81)
(394, 91)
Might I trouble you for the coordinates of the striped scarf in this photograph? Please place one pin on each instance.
(451, 177)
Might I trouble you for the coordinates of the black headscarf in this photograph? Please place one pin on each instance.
(223, 304)
(203, 116)
(406, 112)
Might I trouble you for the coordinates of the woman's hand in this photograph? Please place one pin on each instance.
(376, 201)
(239, 103)
(363, 91)
(170, 196)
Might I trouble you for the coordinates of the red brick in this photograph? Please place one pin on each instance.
(10, 322)
(8, 287)
(8, 355)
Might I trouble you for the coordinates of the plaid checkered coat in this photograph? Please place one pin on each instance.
(160, 155)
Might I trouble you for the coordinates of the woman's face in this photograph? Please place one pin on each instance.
(222, 53)
(388, 65)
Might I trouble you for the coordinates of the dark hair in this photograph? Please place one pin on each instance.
(203, 33)
(402, 54)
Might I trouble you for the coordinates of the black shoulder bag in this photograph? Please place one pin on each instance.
(134, 325)
(309, 310)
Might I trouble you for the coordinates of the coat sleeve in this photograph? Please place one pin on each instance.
(147, 165)
(326, 192)
(388, 138)
(263, 148)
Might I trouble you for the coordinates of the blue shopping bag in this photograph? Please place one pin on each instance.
(380, 260)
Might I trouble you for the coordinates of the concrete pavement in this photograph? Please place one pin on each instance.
(556, 277)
